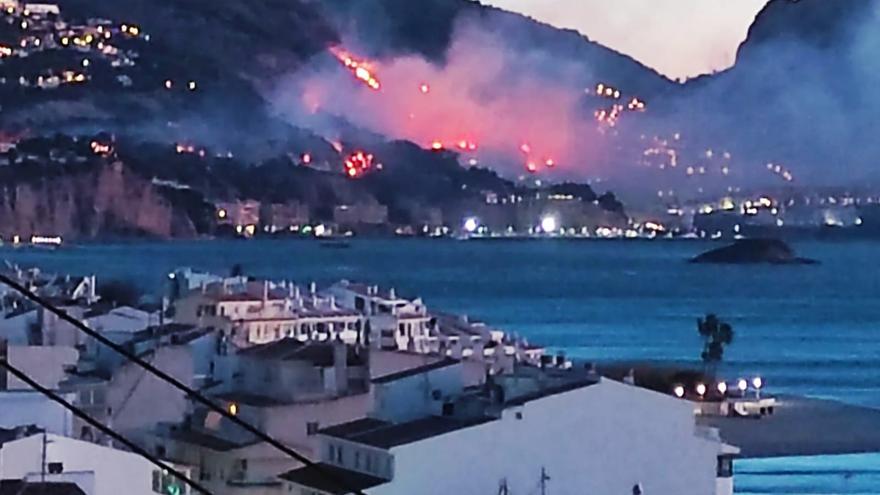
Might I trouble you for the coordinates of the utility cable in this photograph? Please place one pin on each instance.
(207, 402)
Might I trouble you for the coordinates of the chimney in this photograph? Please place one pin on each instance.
(340, 366)
(265, 291)
(391, 294)
(332, 302)
(313, 287)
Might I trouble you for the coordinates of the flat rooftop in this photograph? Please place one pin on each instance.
(331, 479)
(386, 435)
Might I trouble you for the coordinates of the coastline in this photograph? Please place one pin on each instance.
(803, 426)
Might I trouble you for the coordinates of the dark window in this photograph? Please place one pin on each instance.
(56, 467)
(448, 409)
(359, 303)
(725, 466)
(312, 428)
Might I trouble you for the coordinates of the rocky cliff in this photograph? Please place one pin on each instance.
(100, 200)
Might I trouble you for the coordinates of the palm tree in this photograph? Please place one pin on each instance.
(716, 335)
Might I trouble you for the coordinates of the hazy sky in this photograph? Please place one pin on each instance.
(679, 38)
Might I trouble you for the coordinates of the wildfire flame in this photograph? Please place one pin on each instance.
(362, 70)
(358, 163)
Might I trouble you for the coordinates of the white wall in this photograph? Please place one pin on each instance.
(288, 423)
(115, 471)
(412, 397)
(139, 399)
(42, 363)
(16, 329)
(22, 408)
(601, 439)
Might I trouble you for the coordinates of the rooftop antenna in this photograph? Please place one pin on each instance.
(544, 479)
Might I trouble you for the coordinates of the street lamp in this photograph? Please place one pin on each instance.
(678, 391)
(701, 389)
(722, 388)
(471, 225)
(549, 224)
(742, 385)
(757, 382)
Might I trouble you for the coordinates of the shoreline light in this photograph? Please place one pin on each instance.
(549, 224)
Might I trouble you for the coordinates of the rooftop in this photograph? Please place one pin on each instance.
(319, 479)
(249, 399)
(20, 487)
(290, 349)
(204, 439)
(443, 363)
(370, 290)
(567, 386)
(387, 435)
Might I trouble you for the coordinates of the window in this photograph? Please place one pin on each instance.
(725, 466)
(339, 455)
(401, 329)
(359, 303)
(357, 459)
(312, 428)
(332, 452)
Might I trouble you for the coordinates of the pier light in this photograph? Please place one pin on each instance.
(722, 388)
(742, 385)
(549, 224)
(471, 224)
(701, 389)
(678, 391)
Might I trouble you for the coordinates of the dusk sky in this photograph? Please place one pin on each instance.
(679, 38)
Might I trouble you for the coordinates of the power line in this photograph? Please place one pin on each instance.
(178, 385)
(21, 375)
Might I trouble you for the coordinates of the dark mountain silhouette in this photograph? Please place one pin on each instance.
(805, 81)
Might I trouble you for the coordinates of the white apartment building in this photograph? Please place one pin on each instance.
(394, 322)
(596, 436)
(263, 312)
(96, 469)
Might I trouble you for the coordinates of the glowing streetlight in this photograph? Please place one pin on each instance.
(742, 385)
(757, 382)
(678, 391)
(722, 388)
(471, 225)
(701, 389)
(549, 224)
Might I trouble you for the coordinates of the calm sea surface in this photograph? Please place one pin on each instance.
(810, 330)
